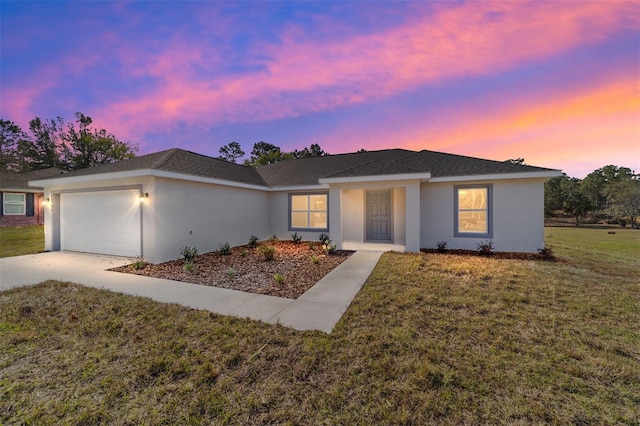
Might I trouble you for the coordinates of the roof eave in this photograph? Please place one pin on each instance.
(376, 178)
(545, 174)
(142, 173)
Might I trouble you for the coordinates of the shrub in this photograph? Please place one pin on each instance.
(225, 249)
(441, 246)
(139, 263)
(189, 266)
(274, 237)
(269, 252)
(311, 244)
(253, 241)
(230, 272)
(296, 238)
(189, 254)
(315, 259)
(278, 278)
(244, 253)
(324, 238)
(485, 247)
(329, 247)
(546, 253)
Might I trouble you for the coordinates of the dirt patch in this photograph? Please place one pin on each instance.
(299, 265)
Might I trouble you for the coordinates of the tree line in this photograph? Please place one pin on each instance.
(264, 153)
(610, 193)
(54, 143)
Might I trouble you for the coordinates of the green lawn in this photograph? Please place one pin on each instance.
(19, 240)
(430, 339)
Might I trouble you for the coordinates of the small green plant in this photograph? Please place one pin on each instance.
(296, 238)
(139, 263)
(324, 238)
(269, 252)
(274, 237)
(189, 266)
(224, 249)
(547, 253)
(315, 259)
(189, 254)
(230, 272)
(311, 244)
(329, 247)
(244, 253)
(486, 247)
(253, 241)
(279, 278)
(441, 246)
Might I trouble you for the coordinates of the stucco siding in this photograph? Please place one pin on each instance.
(518, 215)
(204, 216)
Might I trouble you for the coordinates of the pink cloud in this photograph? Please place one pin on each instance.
(303, 76)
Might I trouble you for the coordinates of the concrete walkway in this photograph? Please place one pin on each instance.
(319, 308)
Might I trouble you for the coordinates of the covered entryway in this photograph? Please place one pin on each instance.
(105, 222)
(379, 225)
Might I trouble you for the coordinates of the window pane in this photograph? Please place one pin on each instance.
(472, 198)
(318, 202)
(14, 208)
(299, 220)
(318, 220)
(475, 222)
(13, 198)
(299, 202)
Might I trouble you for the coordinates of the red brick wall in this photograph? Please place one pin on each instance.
(19, 220)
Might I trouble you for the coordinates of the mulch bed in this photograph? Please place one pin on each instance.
(247, 270)
(495, 254)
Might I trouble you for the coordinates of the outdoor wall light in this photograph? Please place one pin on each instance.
(46, 201)
(144, 196)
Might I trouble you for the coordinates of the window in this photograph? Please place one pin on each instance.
(473, 211)
(13, 204)
(308, 212)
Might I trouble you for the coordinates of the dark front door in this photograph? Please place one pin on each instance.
(379, 215)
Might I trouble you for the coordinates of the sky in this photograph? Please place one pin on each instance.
(554, 82)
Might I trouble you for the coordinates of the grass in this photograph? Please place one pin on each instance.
(20, 240)
(430, 339)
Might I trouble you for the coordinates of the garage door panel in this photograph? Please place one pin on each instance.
(106, 222)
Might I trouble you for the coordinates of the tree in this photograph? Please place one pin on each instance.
(264, 153)
(625, 198)
(88, 147)
(577, 205)
(553, 194)
(11, 136)
(515, 161)
(45, 147)
(314, 150)
(231, 152)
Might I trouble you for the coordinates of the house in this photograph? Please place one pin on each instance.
(153, 205)
(21, 204)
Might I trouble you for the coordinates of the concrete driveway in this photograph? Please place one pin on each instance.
(320, 308)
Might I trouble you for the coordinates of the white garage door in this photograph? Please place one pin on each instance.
(106, 222)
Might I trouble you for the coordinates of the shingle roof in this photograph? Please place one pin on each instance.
(179, 161)
(307, 171)
(21, 180)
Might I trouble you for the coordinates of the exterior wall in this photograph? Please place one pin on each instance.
(203, 216)
(518, 215)
(353, 227)
(279, 217)
(24, 220)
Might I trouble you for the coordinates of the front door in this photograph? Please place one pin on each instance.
(379, 215)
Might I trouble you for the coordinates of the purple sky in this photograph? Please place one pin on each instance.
(557, 83)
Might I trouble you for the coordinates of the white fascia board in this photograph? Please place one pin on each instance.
(503, 176)
(23, 190)
(377, 178)
(143, 173)
(299, 188)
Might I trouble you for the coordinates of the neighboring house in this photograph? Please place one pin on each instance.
(21, 204)
(153, 205)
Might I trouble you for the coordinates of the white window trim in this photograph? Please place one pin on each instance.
(456, 210)
(290, 211)
(23, 203)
